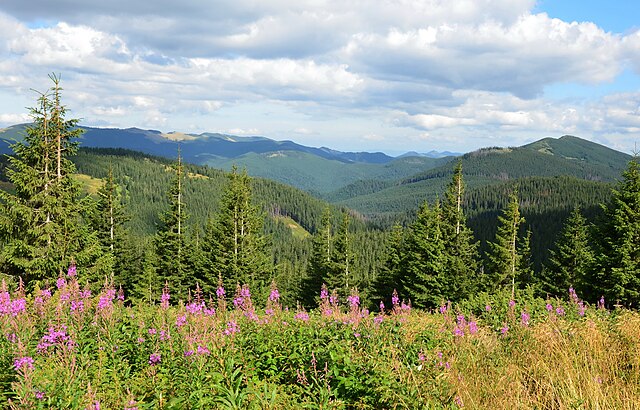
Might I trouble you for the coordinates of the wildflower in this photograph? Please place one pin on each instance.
(232, 328)
(188, 353)
(164, 335)
(581, 308)
(354, 300)
(405, 306)
(601, 303)
(181, 321)
(458, 332)
(154, 358)
(141, 340)
(121, 294)
(152, 331)
(274, 296)
(524, 318)
(18, 306)
(77, 306)
(560, 311)
(381, 306)
(504, 330)
(105, 301)
(201, 350)
(458, 401)
(443, 309)
(512, 303)
(439, 355)
(164, 299)
(24, 361)
(324, 293)
(421, 356)
(220, 292)
(209, 312)
(549, 307)
(573, 296)
(71, 272)
(473, 327)
(487, 308)
(460, 320)
(61, 283)
(304, 316)
(39, 395)
(194, 307)
(395, 300)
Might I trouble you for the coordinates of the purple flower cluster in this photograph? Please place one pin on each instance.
(232, 328)
(274, 296)
(354, 300)
(12, 307)
(106, 299)
(23, 362)
(55, 337)
(164, 299)
(154, 358)
(302, 315)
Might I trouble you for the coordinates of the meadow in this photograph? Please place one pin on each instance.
(69, 347)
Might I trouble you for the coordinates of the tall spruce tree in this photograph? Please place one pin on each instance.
(461, 249)
(504, 257)
(43, 223)
(171, 240)
(618, 261)
(320, 262)
(424, 262)
(341, 274)
(571, 260)
(234, 244)
(390, 276)
(108, 221)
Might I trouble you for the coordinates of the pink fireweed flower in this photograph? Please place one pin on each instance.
(354, 300)
(458, 401)
(421, 356)
(195, 308)
(395, 300)
(202, 351)
(71, 272)
(378, 319)
(504, 330)
(220, 292)
(39, 395)
(181, 321)
(164, 335)
(524, 318)
(559, 311)
(164, 299)
(582, 308)
(333, 299)
(61, 283)
(55, 337)
(274, 296)
(232, 328)
(549, 307)
(302, 315)
(473, 327)
(601, 303)
(154, 358)
(121, 294)
(443, 309)
(573, 296)
(77, 306)
(188, 353)
(381, 306)
(105, 301)
(23, 362)
(209, 311)
(18, 306)
(405, 307)
(458, 331)
(461, 320)
(512, 303)
(152, 331)
(487, 308)
(141, 340)
(324, 292)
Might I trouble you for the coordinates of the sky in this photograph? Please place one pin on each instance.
(352, 75)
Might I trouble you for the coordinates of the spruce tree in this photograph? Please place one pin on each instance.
(43, 223)
(390, 276)
(108, 221)
(320, 262)
(235, 245)
(340, 275)
(460, 246)
(171, 239)
(424, 261)
(571, 260)
(504, 257)
(618, 262)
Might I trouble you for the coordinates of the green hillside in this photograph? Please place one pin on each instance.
(316, 174)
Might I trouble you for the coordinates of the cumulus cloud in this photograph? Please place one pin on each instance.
(428, 67)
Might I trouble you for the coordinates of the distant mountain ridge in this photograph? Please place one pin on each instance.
(318, 170)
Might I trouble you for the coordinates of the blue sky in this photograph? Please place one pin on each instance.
(406, 75)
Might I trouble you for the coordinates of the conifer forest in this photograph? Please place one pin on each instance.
(133, 281)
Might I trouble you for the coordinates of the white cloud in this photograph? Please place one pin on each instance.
(11, 119)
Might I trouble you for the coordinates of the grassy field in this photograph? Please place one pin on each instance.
(67, 348)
